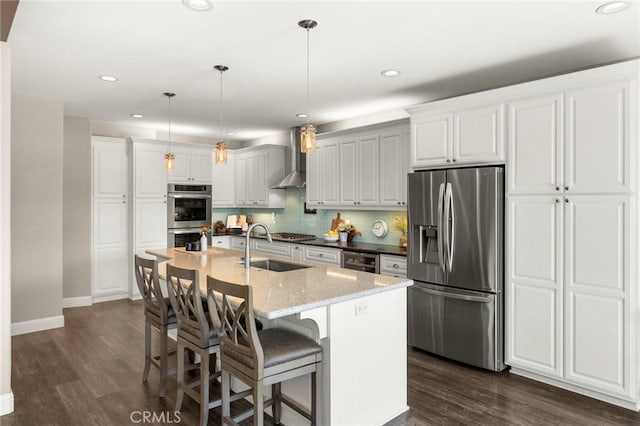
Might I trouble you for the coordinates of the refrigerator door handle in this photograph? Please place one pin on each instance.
(452, 295)
(450, 216)
(441, 229)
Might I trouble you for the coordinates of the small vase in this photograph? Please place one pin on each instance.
(403, 240)
(343, 237)
(203, 243)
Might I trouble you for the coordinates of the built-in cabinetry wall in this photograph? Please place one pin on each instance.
(363, 169)
(571, 234)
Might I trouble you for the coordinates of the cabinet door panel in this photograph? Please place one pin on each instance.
(109, 169)
(535, 145)
(329, 163)
(314, 176)
(348, 172)
(109, 262)
(201, 167)
(151, 176)
(180, 172)
(368, 170)
(431, 140)
(260, 181)
(224, 183)
(534, 284)
(597, 356)
(597, 241)
(392, 173)
(151, 223)
(241, 180)
(598, 158)
(479, 134)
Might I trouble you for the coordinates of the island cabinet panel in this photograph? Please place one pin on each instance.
(571, 282)
(466, 130)
(110, 189)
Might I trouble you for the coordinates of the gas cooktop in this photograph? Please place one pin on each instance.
(290, 236)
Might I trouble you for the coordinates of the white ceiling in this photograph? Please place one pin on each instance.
(442, 48)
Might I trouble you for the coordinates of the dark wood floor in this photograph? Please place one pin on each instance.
(89, 373)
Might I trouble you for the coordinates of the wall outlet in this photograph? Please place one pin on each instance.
(362, 308)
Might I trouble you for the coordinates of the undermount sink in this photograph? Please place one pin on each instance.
(276, 265)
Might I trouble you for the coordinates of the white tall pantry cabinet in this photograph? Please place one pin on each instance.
(109, 198)
(572, 232)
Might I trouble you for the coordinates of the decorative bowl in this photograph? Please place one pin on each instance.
(330, 238)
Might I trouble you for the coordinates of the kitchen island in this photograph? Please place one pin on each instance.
(359, 319)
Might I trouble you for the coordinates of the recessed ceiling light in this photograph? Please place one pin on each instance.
(390, 73)
(198, 5)
(230, 133)
(137, 116)
(109, 78)
(612, 7)
(301, 115)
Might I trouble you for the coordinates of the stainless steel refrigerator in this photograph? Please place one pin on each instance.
(456, 223)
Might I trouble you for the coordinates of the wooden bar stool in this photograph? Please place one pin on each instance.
(195, 333)
(158, 313)
(259, 358)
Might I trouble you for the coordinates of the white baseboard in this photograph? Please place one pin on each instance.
(76, 302)
(110, 297)
(39, 324)
(6, 403)
(135, 297)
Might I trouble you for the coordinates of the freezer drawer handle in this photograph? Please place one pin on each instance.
(451, 295)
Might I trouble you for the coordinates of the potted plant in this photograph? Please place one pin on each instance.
(343, 229)
(401, 225)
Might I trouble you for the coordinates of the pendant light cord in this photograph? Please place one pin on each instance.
(170, 115)
(221, 72)
(307, 75)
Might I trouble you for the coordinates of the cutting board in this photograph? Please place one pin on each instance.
(337, 221)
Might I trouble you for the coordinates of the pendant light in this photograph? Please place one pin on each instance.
(169, 157)
(221, 147)
(307, 131)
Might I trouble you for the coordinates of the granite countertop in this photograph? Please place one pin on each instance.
(349, 246)
(278, 294)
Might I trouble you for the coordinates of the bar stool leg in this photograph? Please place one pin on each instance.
(226, 395)
(147, 350)
(180, 377)
(276, 391)
(164, 370)
(314, 399)
(258, 404)
(204, 388)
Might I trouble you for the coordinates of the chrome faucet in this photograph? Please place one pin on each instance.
(247, 254)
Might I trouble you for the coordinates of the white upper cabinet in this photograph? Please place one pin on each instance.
(322, 174)
(360, 169)
(535, 145)
(256, 171)
(192, 165)
(394, 156)
(150, 174)
(597, 148)
(109, 169)
(223, 179)
(462, 130)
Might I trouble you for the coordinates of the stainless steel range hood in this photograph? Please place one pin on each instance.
(297, 177)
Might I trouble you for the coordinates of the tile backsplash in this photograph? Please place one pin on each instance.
(293, 219)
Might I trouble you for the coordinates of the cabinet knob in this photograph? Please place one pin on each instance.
(557, 188)
(448, 160)
(320, 254)
(398, 202)
(395, 265)
(123, 196)
(354, 202)
(557, 201)
(566, 200)
(124, 202)
(566, 188)
(454, 160)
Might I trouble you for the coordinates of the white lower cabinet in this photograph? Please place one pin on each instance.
(394, 266)
(275, 248)
(323, 255)
(221, 241)
(568, 291)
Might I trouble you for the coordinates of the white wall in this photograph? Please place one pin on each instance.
(76, 241)
(36, 210)
(6, 396)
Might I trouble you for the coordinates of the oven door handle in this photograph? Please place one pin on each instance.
(183, 231)
(199, 196)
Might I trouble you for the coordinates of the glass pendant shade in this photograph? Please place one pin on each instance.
(221, 153)
(307, 138)
(169, 161)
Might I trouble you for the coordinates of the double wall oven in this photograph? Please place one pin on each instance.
(188, 207)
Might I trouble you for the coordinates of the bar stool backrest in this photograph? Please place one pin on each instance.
(146, 271)
(184, 292)
(231, 312)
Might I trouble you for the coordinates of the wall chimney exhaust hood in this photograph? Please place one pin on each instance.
(297, 177)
